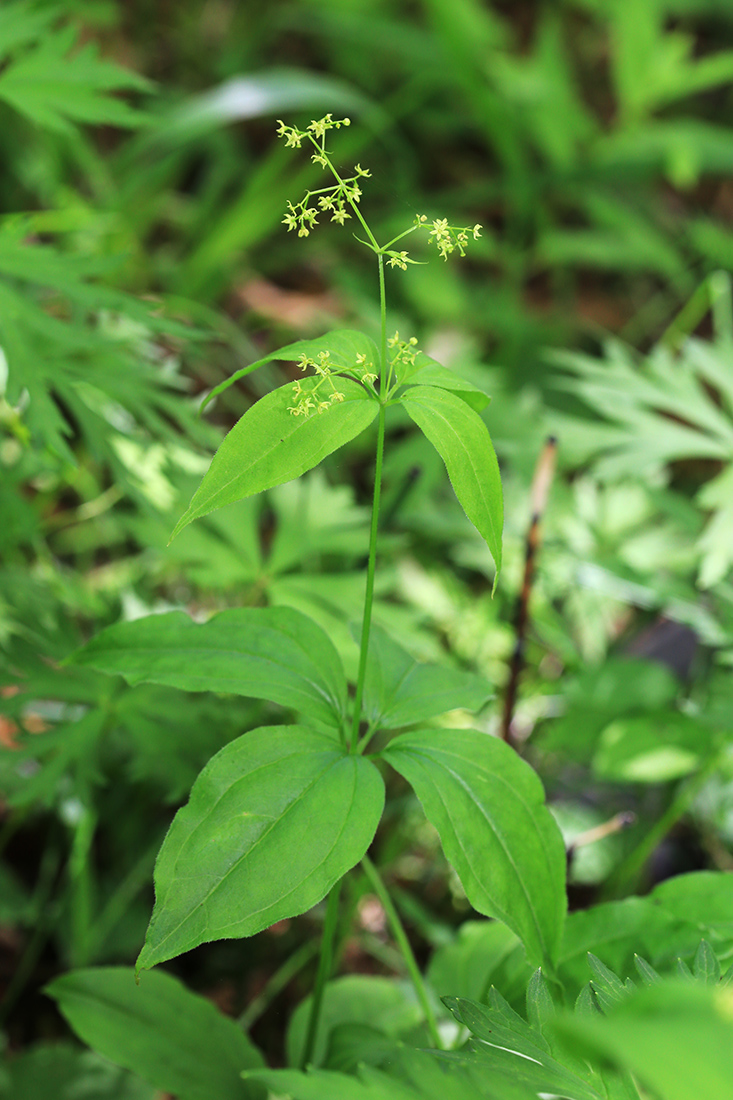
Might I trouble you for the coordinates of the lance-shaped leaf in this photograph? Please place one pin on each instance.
(489, 809)
(399, 691)
(424, 371)
(273, 653)
(172, 1038)
(274, 820)
(462, 440)
(345, 348)
(269, 445)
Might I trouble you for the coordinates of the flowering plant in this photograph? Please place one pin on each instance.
(279, 816)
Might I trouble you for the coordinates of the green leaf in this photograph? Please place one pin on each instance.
(20, 23)
(56, 90)
(64, 1072)
(274, 820)
(652, 748)
(507, 1044)
(171, 1037)
(465, 967)
(413, 1075)
(388, 1006)
(344, 346)
(607, 986)
(424, 371)
(269, 445)
(615, 930)
(706, 967)
(462, 440)
(702, 898)
(399, 690)
(676, 1037)
(324, 1084)
(272, 653)
(488, 807)
(540, 1006)
(646, 971)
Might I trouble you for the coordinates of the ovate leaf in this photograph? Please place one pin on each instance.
(171, 1037)
(399, 690)
(269, 445)
(274, 820)
(462, 440)
(272, 653)
(489, 809)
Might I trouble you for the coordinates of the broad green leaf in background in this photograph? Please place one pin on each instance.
(273, 653)
(399, 690)
(65, 1072)
(274, 820)
(269, 445)
(388, 1006)
(652, 748)
(171, 1037)
(488, 806)
(464, 968)
(703, 900)
(462, 440)
(667, 924)
(676, 1037)
(344, 346)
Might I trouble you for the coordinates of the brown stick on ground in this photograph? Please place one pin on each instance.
(543, 474)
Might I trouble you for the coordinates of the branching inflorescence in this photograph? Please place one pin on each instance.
(335, 200)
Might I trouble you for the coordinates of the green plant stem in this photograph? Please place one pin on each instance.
(369, 595)
(121, 898)
(356, 745)
(403, 943)
(384, 381)
(325, 965)
(627, 872)
(276, 984)
(80, 884)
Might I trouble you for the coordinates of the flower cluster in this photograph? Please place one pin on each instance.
(316, 131)
(334, 199)
(399, 259)
(304, 217)
(307, 400)
(449, 237)
(405, 349)
(364, 374)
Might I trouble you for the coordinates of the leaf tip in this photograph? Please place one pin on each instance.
(183, 522)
